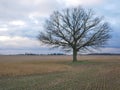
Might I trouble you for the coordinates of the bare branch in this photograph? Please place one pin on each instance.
(75, 29)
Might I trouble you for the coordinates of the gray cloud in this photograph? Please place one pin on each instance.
(21, 20)
(23, 8)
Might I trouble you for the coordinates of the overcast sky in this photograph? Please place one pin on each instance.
(21, 21)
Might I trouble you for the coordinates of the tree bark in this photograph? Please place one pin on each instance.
(74, 55)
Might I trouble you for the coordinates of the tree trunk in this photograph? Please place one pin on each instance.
(74, 55)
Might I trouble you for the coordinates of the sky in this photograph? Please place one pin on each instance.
(22, 20)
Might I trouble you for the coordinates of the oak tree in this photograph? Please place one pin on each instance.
(75, 29)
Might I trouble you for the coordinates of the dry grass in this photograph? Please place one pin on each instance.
(27, 65)
(59, 73)
(13, 69)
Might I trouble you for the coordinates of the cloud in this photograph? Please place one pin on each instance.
(21, 9)
(110, 50)
(81, 2)
(17, 23)
(21, 20)
(3, 29)
(17, 42)
(24, 17)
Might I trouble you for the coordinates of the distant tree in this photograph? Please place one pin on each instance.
(75, 29)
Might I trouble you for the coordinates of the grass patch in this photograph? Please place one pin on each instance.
(84, 62)
(81, 62)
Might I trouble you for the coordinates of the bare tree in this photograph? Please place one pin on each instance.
(75, 29)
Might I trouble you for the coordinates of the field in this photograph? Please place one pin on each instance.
(59, 73)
